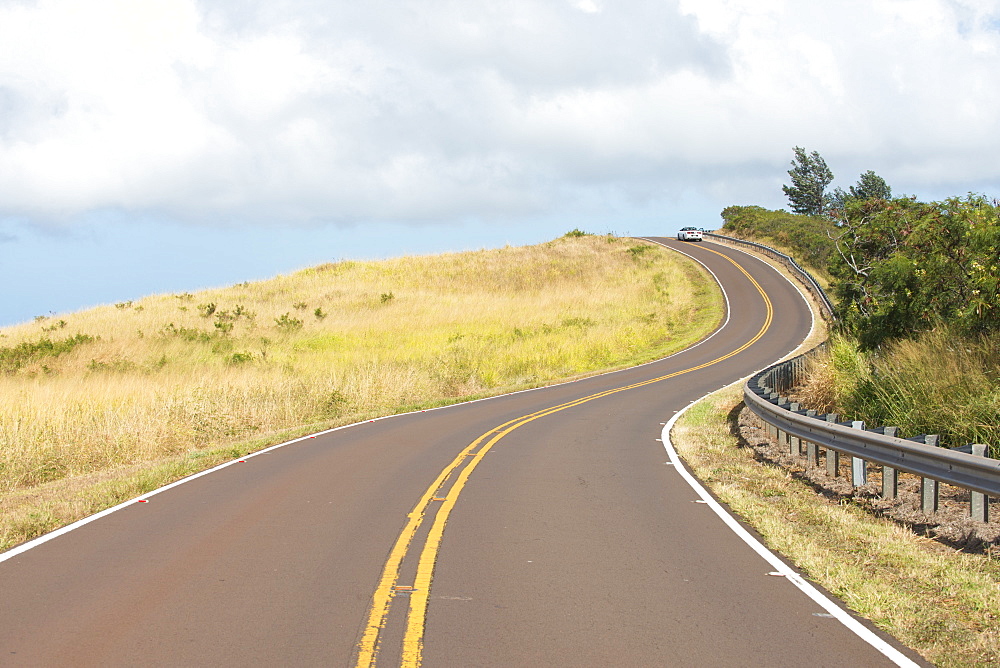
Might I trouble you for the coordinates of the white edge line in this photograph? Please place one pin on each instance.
(779, 566)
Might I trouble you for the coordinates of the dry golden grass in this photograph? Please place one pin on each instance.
(171, 381)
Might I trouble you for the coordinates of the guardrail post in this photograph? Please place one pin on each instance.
(929, 488)
(979, 505)
(783, 438)
(812, 454)
(771, 430)
(859, 468)
(832, 456)
(890, 476)
(812, 450)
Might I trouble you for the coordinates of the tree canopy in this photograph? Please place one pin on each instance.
(904, 266)
(810, 176)
(871, 186)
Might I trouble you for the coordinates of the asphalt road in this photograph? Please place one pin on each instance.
(538, 528)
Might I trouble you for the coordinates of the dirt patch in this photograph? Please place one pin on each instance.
(951, 526)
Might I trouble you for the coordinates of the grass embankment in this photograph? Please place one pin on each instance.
(943, 603)
(101, 405)
(937, 383)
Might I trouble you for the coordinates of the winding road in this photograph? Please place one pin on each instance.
(542, 528)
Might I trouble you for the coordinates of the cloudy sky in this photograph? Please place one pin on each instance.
(169, 145)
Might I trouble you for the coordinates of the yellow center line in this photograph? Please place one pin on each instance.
(420, 594)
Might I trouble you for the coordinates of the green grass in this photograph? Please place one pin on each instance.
(937, 383)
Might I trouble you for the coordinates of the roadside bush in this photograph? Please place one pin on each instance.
(239, 358)
(287, 323)
(905, 267)
(938, 383)
(809, 238)
(15, 357)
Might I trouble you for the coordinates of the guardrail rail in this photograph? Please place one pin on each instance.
(827, 437)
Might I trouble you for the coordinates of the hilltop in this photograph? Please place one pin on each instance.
(128, 396)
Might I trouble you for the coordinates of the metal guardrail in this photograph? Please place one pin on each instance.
(825, 436)
(819, 434)
(808, 279)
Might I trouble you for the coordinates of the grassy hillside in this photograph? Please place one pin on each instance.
(938, 383)
(173, 383)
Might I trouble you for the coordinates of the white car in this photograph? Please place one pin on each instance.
(689, 234)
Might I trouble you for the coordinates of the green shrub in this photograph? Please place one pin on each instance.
(117, 366)
(185, 333)
(239, 358)
(809, 238)
(638, 251)
(287, 323)
(15, 357)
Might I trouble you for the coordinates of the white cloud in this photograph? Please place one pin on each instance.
(415, 110)
(588, 6)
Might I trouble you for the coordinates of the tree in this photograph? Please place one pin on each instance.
(810, 177)
(903, 267)
(871, 186)
(837, 200)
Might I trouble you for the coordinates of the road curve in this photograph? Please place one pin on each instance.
(539, 528)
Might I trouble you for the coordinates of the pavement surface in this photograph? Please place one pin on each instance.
(539, 528)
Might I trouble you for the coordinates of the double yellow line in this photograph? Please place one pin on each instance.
(465, 463)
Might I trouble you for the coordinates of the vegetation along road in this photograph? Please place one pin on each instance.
(544, 527)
